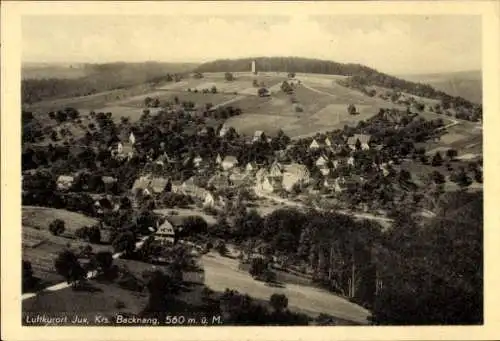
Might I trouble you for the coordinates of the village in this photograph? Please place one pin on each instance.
(184, 189)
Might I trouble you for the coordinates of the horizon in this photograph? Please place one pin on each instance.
(76, 63)
(393, 44)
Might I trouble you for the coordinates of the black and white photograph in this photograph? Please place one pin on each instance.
(251, 169)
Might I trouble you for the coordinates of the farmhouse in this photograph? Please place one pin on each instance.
(276, 170)
(259, 136)
(314, 145)
(363, 140)
(295, 174)
(165, 233)
(229, 162)
(64, 182)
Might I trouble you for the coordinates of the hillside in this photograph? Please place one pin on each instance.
(43, 82)
(359, 76)
(466, 84)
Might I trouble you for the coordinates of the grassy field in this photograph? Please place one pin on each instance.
(323, 109)
(198, 98)
(41, 248)
(40, 218)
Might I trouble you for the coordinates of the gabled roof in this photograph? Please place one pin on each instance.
(363, 139)
(230, 159)
(108, 179)
(297, 169)
(314, 144)
(158, 184)
(166, 229)
(65, 178)
(141, 183)
(321, 161)
(258, 133)
(251, 165)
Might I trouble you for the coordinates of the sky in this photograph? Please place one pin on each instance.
(401, 44)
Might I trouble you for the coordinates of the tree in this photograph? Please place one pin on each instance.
(279, 302)
(258, 266)
(229, 76)
(351, 109)
(262, 92)
(291, 75)
(437, 276)
(124, 242)
(103, 260)
(451, 154)
(255, 83)
(57, 227)
(67, 265)
(438, 178)
(192, 226)
(91, 234)
(221, 248)
(437, 160)
(213, 89)
(27, 275)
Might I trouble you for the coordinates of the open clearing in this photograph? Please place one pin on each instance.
(222, 273)
(41, 248)
(41, 217)
(198, 98)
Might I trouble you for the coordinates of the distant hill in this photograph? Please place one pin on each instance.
(76, 70)
(49, 81)
(466, 84)
(359, 76)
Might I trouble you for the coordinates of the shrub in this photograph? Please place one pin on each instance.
(57, 227)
